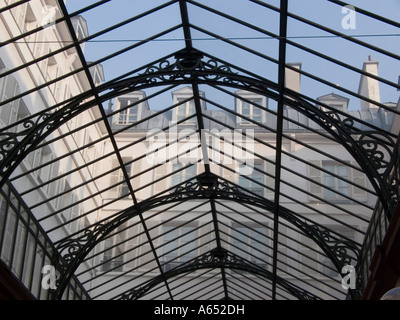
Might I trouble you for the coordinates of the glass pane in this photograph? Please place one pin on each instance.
(192, 108)
(177, 177)
(256, 111)
(240, 241)
(189, 242)
(245, 108)
(258, 243)
(133, 114)
(170, 245)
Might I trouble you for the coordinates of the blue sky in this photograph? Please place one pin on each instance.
(319, 11)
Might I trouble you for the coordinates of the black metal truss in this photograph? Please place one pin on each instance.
(217, 258)
(375, 150)
(205, 186)
(191, 65)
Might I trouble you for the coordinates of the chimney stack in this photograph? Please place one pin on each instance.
(292, 77)
(369, 87)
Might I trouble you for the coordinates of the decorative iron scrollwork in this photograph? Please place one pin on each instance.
(376, 146)
(216, 258)
(70, 247)
(345, 252)
(340, 251)
(207, 185)
(9, 140)
(15, 145)
(374, 150)
(192, 65)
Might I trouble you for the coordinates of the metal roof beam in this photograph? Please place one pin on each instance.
(279, 138)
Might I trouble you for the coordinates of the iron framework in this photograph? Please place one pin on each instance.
(71, 166)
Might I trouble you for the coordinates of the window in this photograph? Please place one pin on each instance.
(334, 101)
(79, 32)
(54, 187)
(332, 182)
(19, 14)
(309, 256)
(184, 110)
(129, 113)
(2, 211)
(250, 243)
(114, 246)
(3, 217)
(179, 245)
(117, 177)
(42, 47)
(250, 110)
(11, 239)
(254, 186)
(7, 249)
(337, 106)
(69, 207)
(9, 111)
(34, 158)
(182, 175)
(37, 158)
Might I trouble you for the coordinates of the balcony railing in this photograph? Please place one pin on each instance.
(28, 252)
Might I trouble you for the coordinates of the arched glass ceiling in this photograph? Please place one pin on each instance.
(196, 149)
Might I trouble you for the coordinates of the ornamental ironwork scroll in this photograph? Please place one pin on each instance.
(374, 150)
(184, 67)
(207, 185)
(216, 258)
(15, 146)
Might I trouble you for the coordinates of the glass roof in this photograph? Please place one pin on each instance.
(199, 149)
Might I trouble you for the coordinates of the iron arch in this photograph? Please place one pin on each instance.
(367, 147)
(196, 67)
(341, 252)
(217, 258)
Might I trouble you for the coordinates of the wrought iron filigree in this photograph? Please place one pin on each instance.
(189, 66)
(14, 146)
(374, 150)
(343, 252)
(216, 258)
(207, 185)
(8, 140)
(68, 248)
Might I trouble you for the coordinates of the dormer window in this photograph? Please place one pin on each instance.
(250, 108)
(81, 29)
(337, 106)
(185, 106)
(334, 101)
(129, 111)
(130, 108)
(185, 110)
